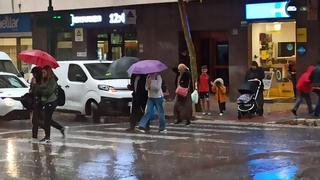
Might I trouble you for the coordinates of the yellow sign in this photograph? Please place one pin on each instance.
(263, 54)
(301, 34)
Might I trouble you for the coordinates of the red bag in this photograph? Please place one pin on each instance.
(182, 91)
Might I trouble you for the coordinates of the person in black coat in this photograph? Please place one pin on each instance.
(315, 83)
(183, 105)
(256, 72)
(139, 98)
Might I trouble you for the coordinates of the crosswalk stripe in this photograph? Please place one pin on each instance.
(190, 128)
(69, 144)
(219, 126)
(169, 132)
(104, 139)
(127, 134)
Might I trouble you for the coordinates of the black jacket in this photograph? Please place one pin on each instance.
(315, 77)
(185, 79)
(140, 93)
(255, 74)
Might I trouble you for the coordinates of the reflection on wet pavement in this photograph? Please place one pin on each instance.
(204, 150)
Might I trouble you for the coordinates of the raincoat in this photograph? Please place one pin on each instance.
(304, 82)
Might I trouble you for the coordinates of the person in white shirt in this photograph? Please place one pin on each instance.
(155, 101)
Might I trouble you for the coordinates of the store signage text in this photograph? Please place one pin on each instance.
(85, 19)
(9, 23)
(115, 18)
(270, 10)
(15, 23)
(127, 16)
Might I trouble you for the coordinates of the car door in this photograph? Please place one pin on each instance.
(76, 88)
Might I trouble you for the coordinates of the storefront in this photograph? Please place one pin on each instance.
(272, 37)
(95, 34)
(16, 36)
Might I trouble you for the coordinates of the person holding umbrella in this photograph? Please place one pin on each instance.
(155, 100)
(155, 95)
(48, 91)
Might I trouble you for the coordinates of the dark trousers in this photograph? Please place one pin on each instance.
(36, 118)
(47, 112)
(317, 110)
(222, 106)
(301, 96)
(138, 107)
(260, 103)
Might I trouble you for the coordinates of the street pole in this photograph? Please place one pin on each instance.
(50, 30)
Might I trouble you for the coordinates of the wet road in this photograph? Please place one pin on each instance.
(205, 150)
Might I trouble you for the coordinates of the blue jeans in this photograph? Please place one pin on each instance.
(153, 103)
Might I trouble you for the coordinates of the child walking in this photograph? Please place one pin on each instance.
(219, 91)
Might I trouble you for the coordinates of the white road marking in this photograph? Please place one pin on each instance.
(136, 135)
(68, 144)
(104, 139)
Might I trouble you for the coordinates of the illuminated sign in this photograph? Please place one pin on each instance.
(116, 18)
(85, 19)
(270, 10)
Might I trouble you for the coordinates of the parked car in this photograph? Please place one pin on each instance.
(6, 65)
(11, 90)
(91, 89)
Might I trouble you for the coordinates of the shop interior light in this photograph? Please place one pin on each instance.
(277, 27)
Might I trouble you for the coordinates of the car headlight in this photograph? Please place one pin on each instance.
(8, 102)
(106, 88)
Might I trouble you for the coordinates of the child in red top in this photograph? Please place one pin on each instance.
(203, 87)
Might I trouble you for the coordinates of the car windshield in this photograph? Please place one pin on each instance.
(102, 71)
(7, 81)
(7, 66)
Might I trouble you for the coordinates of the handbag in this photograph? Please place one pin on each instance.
(182, 91)
(27, 101)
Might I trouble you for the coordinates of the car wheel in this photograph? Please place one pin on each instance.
(95, 115)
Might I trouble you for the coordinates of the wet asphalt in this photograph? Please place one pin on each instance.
(205, 150)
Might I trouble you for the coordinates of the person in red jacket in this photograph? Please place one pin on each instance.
(304, 88)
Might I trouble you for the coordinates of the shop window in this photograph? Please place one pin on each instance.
(64, 45)
(26, 44)
(131, 45)
(116, 38)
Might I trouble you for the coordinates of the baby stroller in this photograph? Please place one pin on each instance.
(247, 104)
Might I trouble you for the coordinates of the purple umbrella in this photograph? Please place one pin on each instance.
(147, 67)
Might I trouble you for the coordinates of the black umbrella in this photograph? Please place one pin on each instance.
(119, 68)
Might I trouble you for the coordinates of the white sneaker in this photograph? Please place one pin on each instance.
(204, 113)
(220, 114)
(209, 113)
(45, 141)
(164, 131)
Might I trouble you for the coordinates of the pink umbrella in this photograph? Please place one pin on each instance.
(38, 58)
(147, 67)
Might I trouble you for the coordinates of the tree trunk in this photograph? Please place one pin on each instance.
(188, 38)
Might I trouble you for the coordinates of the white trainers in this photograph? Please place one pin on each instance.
(209, 113)
(45, 141)
(220, 114)
(163, 131)
(203, 114)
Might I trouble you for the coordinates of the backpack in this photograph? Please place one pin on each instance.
(61, 96)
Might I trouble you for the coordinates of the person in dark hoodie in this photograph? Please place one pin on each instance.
(256, 72)
(315, 83)
(303, 91)
(139, 98)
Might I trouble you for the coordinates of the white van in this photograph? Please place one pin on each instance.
(6, 65)
(91, 90)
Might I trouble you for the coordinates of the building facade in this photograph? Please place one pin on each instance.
(228, 36)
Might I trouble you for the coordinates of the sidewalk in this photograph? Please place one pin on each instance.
(278, 113)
